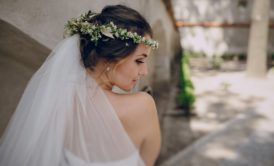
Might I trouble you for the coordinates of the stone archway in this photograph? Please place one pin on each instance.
(20, 56)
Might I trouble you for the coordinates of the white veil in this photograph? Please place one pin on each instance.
(64, 118)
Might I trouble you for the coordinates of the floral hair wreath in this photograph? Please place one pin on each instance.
(95, 31)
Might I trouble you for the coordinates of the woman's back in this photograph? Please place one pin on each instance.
(138, 115)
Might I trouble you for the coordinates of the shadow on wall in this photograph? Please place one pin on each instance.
(162, 60)
(160, 77)
(20, 57)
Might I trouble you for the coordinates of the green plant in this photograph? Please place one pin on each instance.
(186, 97)
(216, 62)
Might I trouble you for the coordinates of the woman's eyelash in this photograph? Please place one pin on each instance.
(139, 61)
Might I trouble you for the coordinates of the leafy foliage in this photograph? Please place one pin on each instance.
(186, 97)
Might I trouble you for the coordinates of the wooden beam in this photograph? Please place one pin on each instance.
(215, 24)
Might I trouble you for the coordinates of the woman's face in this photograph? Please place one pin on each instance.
(129, 70)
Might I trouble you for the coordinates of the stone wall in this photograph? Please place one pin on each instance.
(20, 56)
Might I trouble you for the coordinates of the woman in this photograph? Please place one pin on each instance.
(69, 115)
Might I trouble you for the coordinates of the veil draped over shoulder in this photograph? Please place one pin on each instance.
(65, 119)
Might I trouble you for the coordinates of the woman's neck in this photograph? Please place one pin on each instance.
(99, 75)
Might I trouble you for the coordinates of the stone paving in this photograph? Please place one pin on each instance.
(229, 107)
(247, 140)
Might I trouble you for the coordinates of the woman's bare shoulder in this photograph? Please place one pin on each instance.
(143, 97)
(141, 102)
(138, 109)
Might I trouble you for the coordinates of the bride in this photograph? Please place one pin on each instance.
(69, 115)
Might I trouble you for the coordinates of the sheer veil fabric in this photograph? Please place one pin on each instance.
(65, 119)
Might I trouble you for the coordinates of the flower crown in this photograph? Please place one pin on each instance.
(95, 31)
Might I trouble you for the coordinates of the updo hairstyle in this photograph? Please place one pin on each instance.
(109, 49)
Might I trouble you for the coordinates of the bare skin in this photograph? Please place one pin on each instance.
(137, 111)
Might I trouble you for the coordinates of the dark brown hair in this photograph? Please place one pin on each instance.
(113, 50)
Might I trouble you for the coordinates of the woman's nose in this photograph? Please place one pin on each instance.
(144, 70)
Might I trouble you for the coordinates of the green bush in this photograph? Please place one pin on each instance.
(216, 62)
(186, 97)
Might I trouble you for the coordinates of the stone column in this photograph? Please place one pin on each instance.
(258, 39)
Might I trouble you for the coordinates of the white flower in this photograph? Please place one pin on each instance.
(116, 34)
(123, 32)
(113, 26)
(143, 39)
(107, 32)
(130, 34)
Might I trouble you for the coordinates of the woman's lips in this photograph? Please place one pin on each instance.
(134, 81)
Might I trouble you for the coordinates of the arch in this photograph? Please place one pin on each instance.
(20, 56)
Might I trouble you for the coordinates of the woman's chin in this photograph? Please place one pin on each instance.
(128, 88)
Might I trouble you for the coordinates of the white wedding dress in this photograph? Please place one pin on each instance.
(72, 160)
(65, 119)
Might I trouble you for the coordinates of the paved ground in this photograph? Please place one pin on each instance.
(224, 98)
(247, 140)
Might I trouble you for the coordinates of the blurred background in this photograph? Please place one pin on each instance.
(212, 76)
